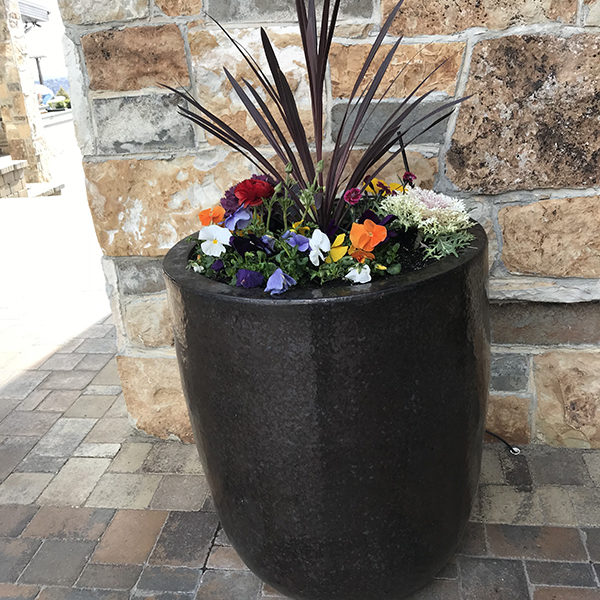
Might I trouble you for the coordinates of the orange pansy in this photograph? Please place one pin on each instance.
(213, 215)
(360, 255)
(367, 235)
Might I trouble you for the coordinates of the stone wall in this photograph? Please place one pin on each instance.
(21, 123)
(524, 152)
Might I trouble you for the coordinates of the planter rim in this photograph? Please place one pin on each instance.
(175, 263)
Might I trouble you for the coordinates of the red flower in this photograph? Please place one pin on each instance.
(251, 192)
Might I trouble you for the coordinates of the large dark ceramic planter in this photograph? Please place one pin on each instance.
(340, 427)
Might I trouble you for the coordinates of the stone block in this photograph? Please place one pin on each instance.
(556, 238)
(425, 167)
(181, 492)
(508, 417)
(74, 482)
(58, 562)
(148, 123)
(138, 275)
(592, 12)
(423, 17)
(130, 537)
(528, 124)
(114, 577)
(414, 63)
(143, 207)
(91, 11)
(211, 50)
(510, 372)
(534, 323)
(124, 490)
(148, 321)
(185, 540)
(153, 395)
(265, 11)
(122, 59)
(175, 8)
(69, 523)
(568, 405)
(23, 488)
(383, 112)
(79, 105)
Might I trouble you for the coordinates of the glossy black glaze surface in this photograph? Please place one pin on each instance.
(340, 428)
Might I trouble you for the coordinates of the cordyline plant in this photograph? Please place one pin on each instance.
(290, 142)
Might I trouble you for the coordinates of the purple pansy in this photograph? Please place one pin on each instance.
(240, 219)
(250, 243)
(269, 242)
(279, 282)
(295, 240)
(217, 265)
(248, 279)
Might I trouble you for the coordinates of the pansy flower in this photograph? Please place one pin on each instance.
(215, 239)
(211, 216)
(295, 240)
(367, 235)
(377, 186)
(248, 279)
(359, 274)
(279, 282)
(338, 250)
(319, 243)
(251, 243)
(240, 219)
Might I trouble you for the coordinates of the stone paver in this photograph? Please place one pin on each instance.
(63, 437)
(28, 424)
(110, 431)
(67, 380)
(130, 537)
(114, 577)
(19, 388)
(14, 518)
(57, 562)
(131, 457)
(180, 492)
(119, 490)
(12, 452)
(62, 362)
(90, 509)
(75, 481)
(68, 523)
(185, 539)
(23, 488)
(90, 406)
(15, 554)
(59, 400)
(169, 579)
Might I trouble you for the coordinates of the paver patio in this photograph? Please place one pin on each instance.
(91, 509)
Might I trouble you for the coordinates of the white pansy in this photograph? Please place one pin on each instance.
(359, 274)
(197, 268)
(319, 243)
(216, 238)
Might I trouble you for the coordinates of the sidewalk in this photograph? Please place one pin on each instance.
(91, 509)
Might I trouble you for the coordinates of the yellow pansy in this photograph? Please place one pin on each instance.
(378, 186)
(337, 249)
(297, 226)
(381, 267)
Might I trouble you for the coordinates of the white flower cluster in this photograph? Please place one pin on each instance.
(433, 214)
